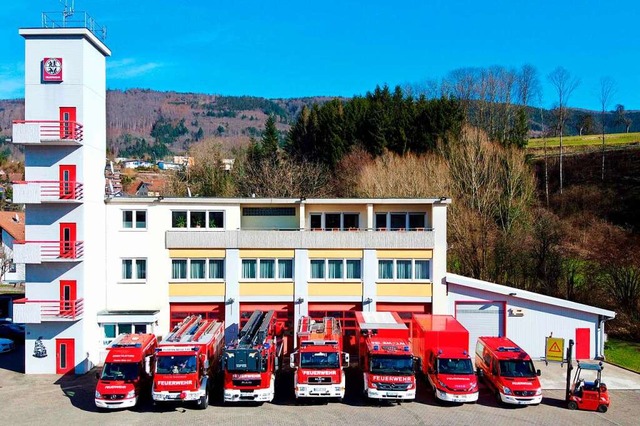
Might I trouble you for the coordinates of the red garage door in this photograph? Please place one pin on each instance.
(180, 311)
(405, 310)
(284, 314)
(346, 314)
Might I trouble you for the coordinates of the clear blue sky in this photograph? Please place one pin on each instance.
(297, 48)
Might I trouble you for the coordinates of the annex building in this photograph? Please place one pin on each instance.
(98, 266)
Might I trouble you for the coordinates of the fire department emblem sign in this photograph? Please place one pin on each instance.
(52, 69)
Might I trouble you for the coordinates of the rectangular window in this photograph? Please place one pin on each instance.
(332, 221)
(353, 269)
(197, 269)
(134, 269)
(416, 221)
(141, 219)
(385, 269)
(267, 269)
(141, 269)
(127, 269)
(404, 269)
(139, 328)
(351, 221)
(398, 221)
(381, 221)
(196, 219)
(124, 328)
(127, 219)
(179, 219)
(216, 220)
(422, 270)
(110, 331)
(317, 269)
(316, 221)
(249, 268)
(285, 269)
(268, 211)
(335, 269)
(216, 269)
(179, 269)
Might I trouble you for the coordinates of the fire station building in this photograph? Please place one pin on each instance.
(99, 266)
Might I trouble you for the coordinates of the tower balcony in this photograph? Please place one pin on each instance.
(46, 132)
(47, 191)
(37, 252)
(37, 311)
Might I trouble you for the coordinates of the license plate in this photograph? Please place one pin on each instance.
(320, 390)
(392, 395)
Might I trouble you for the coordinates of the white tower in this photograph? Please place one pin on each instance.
(64, 139)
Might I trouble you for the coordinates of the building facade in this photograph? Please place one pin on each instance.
(224, 258)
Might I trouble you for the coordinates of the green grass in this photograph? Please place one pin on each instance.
(623, 353)
(587, 140)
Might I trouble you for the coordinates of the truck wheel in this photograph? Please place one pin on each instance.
(572, 405)
(498, 398)
(602, 408)
(203, 402)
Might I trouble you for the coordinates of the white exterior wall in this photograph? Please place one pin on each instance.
(539, 320)
(138, 243)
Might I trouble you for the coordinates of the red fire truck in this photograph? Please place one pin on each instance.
(187, 360)
(385, 356)
(319, 360)
(127, 371)
(251, 361)
(442, 345)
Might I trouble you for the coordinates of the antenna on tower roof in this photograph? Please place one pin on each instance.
(68, 11)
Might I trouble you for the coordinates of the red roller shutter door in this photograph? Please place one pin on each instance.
(180, 311)
(346, 314)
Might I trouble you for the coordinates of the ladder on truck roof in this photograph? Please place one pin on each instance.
(256, 330)
(190, 329)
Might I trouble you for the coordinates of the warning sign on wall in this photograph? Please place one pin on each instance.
(554, 349)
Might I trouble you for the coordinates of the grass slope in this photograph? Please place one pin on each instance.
(623, 353)
(587, 140)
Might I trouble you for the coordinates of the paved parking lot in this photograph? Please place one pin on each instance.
(68, 400)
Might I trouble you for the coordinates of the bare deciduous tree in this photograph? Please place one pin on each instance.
(607, 90)
(564, 84)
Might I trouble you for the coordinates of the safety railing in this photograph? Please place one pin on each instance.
(46, 130)
(54, 310)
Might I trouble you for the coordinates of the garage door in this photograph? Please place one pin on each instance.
(284, 315)
(346, 314)
(481, 319)
(180, 311)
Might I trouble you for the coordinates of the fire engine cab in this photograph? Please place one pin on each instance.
(187, 360)
(127, 371)
(319, 360)
(251, 361)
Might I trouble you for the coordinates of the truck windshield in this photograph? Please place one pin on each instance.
(454, 366)
(176, 364)
(517, 368)
(319, 360)
(120, 371)
(394, 365)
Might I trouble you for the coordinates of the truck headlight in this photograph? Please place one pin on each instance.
(506, 390)
(131, 394)
(473, 386)
(538, 391)
(98, 395)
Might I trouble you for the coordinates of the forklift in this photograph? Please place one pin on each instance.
(582, 394)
